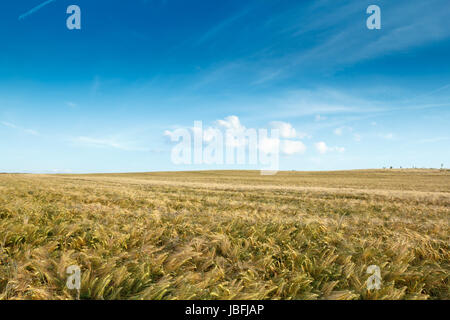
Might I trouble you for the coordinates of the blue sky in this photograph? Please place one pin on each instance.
(100, 99)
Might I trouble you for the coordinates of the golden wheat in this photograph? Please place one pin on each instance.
(226, 235)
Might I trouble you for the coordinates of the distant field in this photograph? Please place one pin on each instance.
(226, 235)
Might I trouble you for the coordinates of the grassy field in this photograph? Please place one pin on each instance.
(226, 235)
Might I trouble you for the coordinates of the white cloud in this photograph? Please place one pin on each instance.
(269, 145)
(234, 133)
(170, 134)
(231, 123)
(233, 130)
(341, 130)
(338, 131)
(322, 148)
(285, 128)
(290, 147)
(303, 135)
(387, 136)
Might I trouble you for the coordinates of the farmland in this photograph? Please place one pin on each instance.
(226, 235)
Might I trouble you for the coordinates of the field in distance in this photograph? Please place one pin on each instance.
(226, 235)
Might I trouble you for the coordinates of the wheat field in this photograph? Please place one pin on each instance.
(226, 235)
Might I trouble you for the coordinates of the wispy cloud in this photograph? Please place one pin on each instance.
(357, 137)
(433, 140)
(26, 14)
(404, 26)
(95, 86)
(345, 130)
(344, 37)
(107, 143)
(221, 26)
(25, 130)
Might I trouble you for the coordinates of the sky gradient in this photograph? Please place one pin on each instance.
(102, 99)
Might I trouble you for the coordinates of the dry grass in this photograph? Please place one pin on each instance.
(226, 235)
